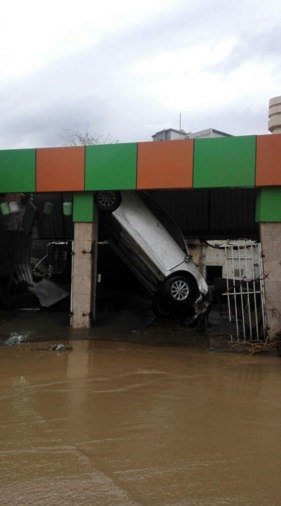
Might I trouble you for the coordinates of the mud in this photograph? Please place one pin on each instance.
(138, 424)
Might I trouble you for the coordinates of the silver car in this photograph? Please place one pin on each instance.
(152, 246)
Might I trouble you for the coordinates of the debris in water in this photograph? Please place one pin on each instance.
(59, 347)
(48, 292)
(16, 338)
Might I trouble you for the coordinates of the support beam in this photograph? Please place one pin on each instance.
(84, 261)
(268, 213)
(83, 282)
(270, 234)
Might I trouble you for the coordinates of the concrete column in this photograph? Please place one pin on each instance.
(270, 234)
(83, 283)
(269, 215)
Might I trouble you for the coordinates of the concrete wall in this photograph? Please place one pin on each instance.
(271, 245)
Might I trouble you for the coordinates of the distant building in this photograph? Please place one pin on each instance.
(171, 134)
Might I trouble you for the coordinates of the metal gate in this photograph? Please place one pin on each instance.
(245, 291)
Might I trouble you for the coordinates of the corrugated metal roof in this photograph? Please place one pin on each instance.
(55, 225)
(211, 212)
(188, 208)
(232, 211)
(15, 248)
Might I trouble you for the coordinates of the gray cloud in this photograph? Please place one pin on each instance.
(263, 46)
(99, 87)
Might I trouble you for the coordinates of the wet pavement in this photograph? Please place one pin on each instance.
(130, 423)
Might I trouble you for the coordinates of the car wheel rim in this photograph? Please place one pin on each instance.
(179, 290)
(106, 199)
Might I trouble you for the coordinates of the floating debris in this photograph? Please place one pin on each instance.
(58, 347)
(16, 338)
(48, 292)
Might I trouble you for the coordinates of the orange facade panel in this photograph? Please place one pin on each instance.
(268, 163)
(60, 169)
(167, 164)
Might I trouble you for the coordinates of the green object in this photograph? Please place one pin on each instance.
(5, 209)
(224, 162)
(17, 170)
(111, 167)
(48, 208)
(268, 207)
(83, 208)
(67, 208)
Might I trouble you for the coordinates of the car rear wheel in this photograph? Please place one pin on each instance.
(107, 201)
(180, 289)
(161, 306)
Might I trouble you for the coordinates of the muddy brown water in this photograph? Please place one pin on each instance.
(127, 424)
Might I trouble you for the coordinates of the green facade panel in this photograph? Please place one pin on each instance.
(268, 207)
(17, 170)
(224, 162)
(83, 208)
(111, 167)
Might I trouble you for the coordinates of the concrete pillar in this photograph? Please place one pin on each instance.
(270, 234)
(83, 283)
(269, 216)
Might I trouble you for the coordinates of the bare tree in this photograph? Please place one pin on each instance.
(84, 137)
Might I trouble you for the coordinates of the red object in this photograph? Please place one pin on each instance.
(167, 164)
(268, 163)
(60, 169)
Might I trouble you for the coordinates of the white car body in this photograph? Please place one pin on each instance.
(142, 240)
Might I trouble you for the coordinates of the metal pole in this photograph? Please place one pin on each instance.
(248, 297)
(241, 293)
(234, 295)
(227, 292)
(253, 251)
(264, 322)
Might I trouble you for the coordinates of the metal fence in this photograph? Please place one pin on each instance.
(245, 291)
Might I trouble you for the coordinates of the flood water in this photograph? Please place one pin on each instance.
(128, 424)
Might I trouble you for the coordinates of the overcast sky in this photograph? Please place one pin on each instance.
(128, 68)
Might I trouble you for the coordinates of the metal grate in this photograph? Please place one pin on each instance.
(245, 291)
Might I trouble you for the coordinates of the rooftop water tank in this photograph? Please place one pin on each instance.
(274, 115)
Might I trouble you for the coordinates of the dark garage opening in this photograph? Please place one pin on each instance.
(205, 214)
(35, 254)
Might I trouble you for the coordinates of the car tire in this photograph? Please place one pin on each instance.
(180, 289)
(161, 307)
(107, 201)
